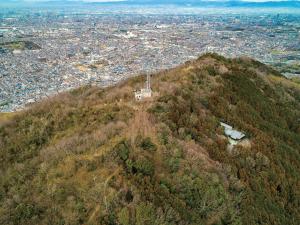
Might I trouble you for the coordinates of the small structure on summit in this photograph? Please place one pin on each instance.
(144, 92)
(233, 135)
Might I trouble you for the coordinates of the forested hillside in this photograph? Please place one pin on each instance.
(97, 156)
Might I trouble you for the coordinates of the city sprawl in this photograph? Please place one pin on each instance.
(44, 53)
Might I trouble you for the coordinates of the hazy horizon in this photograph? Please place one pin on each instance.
(285, 6)
(188, 2)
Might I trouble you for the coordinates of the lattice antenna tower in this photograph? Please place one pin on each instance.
(148, 83)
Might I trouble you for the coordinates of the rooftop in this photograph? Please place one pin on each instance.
(232, 133)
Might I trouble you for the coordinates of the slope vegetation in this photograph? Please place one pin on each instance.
(96, 156)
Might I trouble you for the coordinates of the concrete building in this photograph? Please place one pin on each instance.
(144, 92)
(234, 136)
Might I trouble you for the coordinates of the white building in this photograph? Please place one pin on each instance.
(234, 136)
(144, 92)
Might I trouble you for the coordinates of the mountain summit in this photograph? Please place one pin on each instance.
(98, 156)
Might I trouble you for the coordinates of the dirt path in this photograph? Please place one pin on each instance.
(97, 208)
(141, 124)
(92, 217)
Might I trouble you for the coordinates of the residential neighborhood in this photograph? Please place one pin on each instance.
(43, 54)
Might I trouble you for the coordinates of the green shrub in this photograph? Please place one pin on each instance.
(24, 211)
(122, 149)
(164, 137)
(144, 166)
(174, 164)
(124, 217)
(148, 145)
(145, 214)
(211, 70)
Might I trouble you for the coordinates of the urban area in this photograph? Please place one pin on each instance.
(43, 53)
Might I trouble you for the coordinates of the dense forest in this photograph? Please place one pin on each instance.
(97, 156)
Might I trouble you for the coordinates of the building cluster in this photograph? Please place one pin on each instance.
(102, 49)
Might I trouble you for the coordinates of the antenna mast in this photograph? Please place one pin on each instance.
(148, 82)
